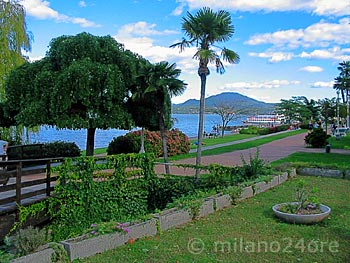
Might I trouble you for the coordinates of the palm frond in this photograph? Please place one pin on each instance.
(230, 56)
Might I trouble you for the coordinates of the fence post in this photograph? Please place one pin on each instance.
(48, 178)
(18, 182)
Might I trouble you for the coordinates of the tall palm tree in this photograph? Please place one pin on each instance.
(342, 82)
(204, 29)
(162, 79)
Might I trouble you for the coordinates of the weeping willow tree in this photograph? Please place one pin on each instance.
(14, 38)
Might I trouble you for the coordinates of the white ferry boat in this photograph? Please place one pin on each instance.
(265, 119)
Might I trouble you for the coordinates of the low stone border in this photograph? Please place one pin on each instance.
(82, 247)
(324, 172)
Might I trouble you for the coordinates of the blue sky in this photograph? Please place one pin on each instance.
(286, 47)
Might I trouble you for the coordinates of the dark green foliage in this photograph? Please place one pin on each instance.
(83, 200)
(40, 151)
(124, 144)
(318, 138)
(91, 191)
(61, 149)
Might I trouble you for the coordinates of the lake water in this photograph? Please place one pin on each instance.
(187, 123)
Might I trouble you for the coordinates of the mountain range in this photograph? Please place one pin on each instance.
(232, 99)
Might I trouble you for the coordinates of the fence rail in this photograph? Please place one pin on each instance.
(25, 182)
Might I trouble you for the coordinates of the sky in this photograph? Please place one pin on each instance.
(286, 47)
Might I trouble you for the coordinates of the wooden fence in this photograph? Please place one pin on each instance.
(23, 182)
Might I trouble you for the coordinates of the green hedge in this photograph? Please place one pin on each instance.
(46, 150)
(264, 131)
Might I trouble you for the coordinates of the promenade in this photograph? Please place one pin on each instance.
(268, 152)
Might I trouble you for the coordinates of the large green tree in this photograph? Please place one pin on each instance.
(162, 84)
(299, 108)
(14, 38)
(83, 82)
(203, 30)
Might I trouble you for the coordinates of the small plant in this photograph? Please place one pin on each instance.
(60, 255)
(30, 239)
(306, 201)
(255, 168)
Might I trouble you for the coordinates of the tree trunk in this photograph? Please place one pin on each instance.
(223, 127)
(90, 142)
(203, 71)
(162, 134)
(142, 149)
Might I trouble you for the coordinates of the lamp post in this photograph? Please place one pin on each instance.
(348, 110)
(337, 112)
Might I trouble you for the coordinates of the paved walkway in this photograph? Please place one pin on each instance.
(268, 152)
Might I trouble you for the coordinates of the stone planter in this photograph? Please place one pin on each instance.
(261, 187)
(247, 192)
(82, 247)
(42, 256)
(302, 219)
(207, 207)
(275, 181)
(222, 201)
(282, 178)
(172, 218)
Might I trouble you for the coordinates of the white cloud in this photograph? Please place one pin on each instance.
(82, 4)
(321, 84)
(136, 38)
(42, 10)
(318, 7)
(319, 34)
(334, 53)
(273, 56)
(311, 69)
(271, 84)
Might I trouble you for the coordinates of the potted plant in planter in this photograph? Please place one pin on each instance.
(305, 210)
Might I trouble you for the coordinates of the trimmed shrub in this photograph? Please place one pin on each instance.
(250, 130)
(123, 144)
(61, 149)
(318, 138)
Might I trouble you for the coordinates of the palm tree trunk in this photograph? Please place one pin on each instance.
(162, 134)
(200, 123)
(142, 149)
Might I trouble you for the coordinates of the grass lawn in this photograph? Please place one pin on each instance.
(249, 232)
(219, 140)
(343, 143)
(331, 160)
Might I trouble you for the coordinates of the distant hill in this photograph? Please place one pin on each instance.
(234, 99)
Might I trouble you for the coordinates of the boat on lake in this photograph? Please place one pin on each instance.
(265, 119)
